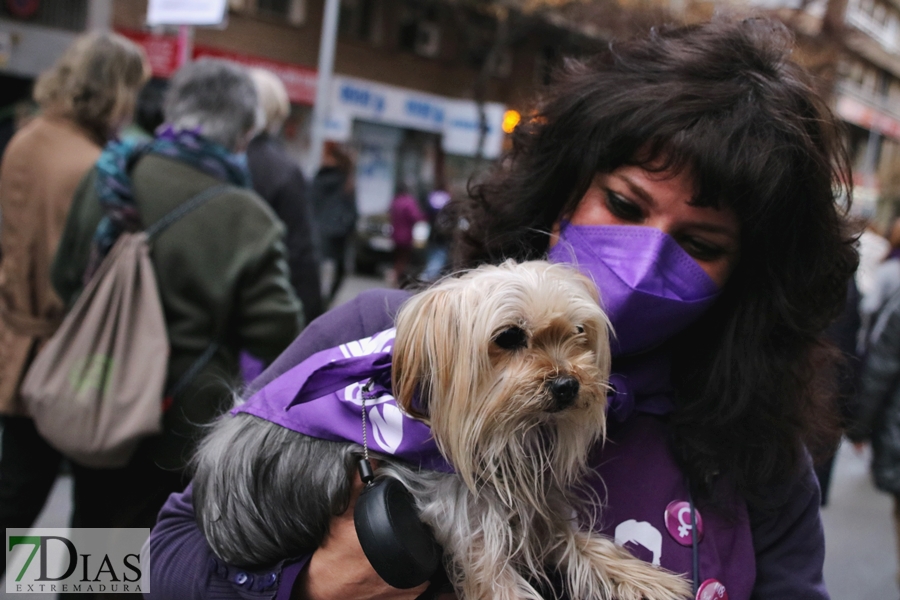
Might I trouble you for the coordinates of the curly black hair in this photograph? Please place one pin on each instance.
(723, 100)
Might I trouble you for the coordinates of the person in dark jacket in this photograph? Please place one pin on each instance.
(221, 273)
(878, 410)
(278, 179)
(334, 202)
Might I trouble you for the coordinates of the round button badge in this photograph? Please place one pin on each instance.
(712, 589)
(679, 523)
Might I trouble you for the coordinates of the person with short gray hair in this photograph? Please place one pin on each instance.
(221, 272)
(217, 99)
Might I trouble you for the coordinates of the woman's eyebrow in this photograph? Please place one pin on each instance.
(714, 228)
(636, 189)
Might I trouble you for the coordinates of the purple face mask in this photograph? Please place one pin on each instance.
(649, 286)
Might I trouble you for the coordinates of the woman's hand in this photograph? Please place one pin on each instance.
(339, 570)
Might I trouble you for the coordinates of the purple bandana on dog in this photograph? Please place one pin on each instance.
(322, 398)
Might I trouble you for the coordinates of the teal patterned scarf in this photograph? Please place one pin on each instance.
(114, 186)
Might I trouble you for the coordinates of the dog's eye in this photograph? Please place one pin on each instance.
(512, 338)
(579, 329)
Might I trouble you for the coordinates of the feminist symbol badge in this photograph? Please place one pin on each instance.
(679, 523)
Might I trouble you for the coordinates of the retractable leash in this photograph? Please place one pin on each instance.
(695, 549)
(401, 548)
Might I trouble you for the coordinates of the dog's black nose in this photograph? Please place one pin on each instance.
(564, 390)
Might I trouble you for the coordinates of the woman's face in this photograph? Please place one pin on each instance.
(631, 195)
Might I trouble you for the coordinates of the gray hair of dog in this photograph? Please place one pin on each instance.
(215, 96)
(264, 493)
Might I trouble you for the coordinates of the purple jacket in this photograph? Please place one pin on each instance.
(756, 555)
(405, 213)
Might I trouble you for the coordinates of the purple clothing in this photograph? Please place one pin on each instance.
(758, 555)
(405, 213)
(251, 367)
(322, 397)
(650, 288)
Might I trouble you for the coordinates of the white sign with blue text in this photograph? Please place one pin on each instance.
(457, 120)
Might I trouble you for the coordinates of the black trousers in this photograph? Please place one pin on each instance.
(127, 497)
(28, 468)
(130, 497)
(335, 248)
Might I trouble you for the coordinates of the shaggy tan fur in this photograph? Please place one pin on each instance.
(476, 356)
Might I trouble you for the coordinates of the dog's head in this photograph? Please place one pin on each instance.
(509, 365)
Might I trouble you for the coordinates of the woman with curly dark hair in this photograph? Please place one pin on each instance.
(695, 175)
(733, 124)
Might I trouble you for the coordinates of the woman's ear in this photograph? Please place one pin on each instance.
(425, 326)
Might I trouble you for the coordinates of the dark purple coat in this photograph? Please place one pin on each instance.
(775, 554)
(405, 213)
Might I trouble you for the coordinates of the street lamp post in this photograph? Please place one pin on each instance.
(327, 44)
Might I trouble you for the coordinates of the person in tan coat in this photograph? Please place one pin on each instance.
(84, 99)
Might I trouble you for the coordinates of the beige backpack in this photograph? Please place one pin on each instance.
(96, 388)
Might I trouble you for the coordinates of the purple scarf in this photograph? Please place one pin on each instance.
(322, 397)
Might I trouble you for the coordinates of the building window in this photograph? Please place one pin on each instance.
(894, 91)
(420, 30)
(361, 20)
(276, 7)
(293, 11)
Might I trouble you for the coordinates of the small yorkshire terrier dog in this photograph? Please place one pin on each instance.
(508, 365)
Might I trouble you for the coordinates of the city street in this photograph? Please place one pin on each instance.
(726, 173)
(861, 560)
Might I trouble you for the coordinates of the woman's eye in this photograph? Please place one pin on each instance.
(623, 208)
(512, 338)
(702, 250)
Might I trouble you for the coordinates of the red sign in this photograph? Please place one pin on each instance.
(867, 117)
(299, 81)
(162, 53)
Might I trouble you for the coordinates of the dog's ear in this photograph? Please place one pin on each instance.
(425, 326)
(602, 328)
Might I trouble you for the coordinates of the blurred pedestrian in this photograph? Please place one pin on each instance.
(873, 247)
(148, 114)
(885, 283)
(278, 179)
(443, 225)
(333, 197)
(405, 213)
(84, 99)
(878, 417)
(221, 272)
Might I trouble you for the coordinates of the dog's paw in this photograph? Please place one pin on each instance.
(651, 583)
(602, 569)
